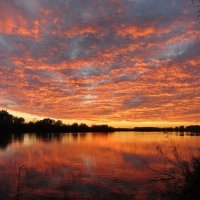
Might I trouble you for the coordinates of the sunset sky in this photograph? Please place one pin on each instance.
(120, 62)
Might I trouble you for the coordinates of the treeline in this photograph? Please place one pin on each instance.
(191, 129)
(10, 123)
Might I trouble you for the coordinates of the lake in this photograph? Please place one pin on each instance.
(87, 165)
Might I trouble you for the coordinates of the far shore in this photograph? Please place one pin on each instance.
(13, 124)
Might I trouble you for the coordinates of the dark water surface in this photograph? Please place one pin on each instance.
(85, 166)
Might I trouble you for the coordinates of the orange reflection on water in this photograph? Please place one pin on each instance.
(86, 166)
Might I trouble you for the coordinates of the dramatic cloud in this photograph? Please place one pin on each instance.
(112, 60)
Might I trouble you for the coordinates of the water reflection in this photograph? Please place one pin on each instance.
(84, 166)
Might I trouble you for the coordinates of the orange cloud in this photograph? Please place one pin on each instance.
(116, 62)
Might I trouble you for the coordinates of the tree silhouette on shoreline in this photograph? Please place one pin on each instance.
(12, 124)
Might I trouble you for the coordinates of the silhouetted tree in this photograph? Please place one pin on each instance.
(10, 123)
(6, 118)
(83, 127)
(19, 120)
(59, 123)
(182, 176)
(74, 127)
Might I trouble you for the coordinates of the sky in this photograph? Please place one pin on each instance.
(120, 62)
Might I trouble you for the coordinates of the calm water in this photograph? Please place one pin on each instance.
(86, 166)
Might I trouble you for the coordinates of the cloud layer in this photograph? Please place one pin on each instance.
(113, 60)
